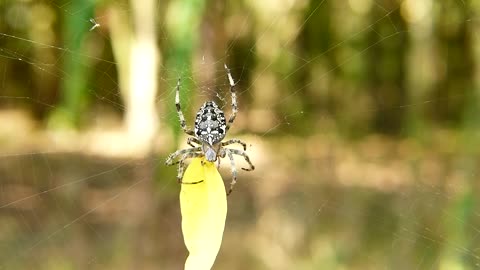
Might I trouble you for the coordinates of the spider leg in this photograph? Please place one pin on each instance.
(232, 141)
(234, 98)
(222, 152)
(177, 153)
(245, 156)
(181, 167)
(183, 123)
(193, 139)
(234, 170)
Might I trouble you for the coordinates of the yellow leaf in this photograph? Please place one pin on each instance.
(204, 209)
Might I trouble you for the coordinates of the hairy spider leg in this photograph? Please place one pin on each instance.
(234, 170)
(195, 140)
(245, 156)
(177, 153)
(183, 123)
(234, 99)
(181, 167)
(232, 141)
(230, 153)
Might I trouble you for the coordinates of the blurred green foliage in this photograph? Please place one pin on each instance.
(389, 67)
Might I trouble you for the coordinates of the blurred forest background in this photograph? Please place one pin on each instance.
(362, 118)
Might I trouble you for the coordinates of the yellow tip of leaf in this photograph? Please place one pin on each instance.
(204, 210)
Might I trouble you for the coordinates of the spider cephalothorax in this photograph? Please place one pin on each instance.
(209, 131)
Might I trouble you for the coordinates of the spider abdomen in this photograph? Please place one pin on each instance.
(210, 123)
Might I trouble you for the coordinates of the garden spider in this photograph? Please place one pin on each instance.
(209, 130)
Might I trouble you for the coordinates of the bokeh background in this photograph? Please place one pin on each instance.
(362, 118)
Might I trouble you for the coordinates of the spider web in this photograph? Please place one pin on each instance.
(316, 199)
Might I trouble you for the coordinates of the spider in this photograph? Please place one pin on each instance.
(208, 134)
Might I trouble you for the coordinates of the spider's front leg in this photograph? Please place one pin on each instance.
(233, 168)
(245, 156)
(232, 141)
(230, 153)
(174, 155)
(181, 167)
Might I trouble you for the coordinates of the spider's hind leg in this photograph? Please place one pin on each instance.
(234, 99)
(183, 123)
